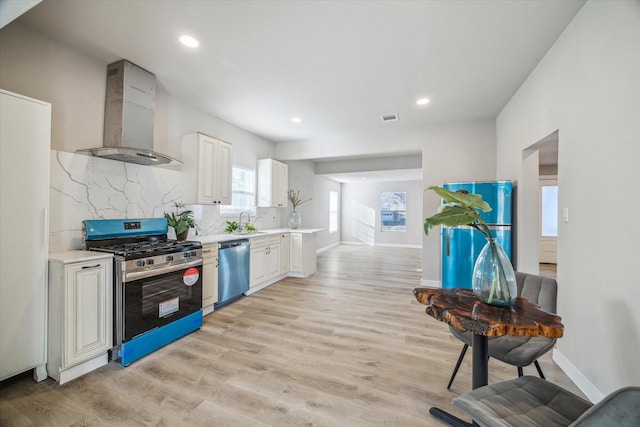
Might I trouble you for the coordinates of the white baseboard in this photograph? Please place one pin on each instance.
(433, 283)
(592, 393)
(82, 368)
(397, 245)
(351, 242)
(326, 248)
(389, 245)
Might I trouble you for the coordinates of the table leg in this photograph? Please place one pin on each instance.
(480, 363)
(449, 419)
(480, 377)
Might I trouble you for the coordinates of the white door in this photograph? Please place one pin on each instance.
(25, 131)
(223, 173)
(548, 221)
(88, 325)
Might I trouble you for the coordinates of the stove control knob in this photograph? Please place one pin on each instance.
(193, 254)
(149, 262)
(140, 263)
(170, 258)
(187, 255)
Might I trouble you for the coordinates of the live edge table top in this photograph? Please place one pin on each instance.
(462, 310)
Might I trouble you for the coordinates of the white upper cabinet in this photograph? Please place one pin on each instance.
(273, 183)
(206, 170)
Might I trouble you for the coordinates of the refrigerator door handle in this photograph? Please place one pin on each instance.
(447, 243)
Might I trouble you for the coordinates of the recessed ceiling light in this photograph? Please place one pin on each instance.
(188, 41)
(296, 119)
(423, 101)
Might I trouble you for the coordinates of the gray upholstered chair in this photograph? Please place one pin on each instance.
(531, 401)
(518, 351)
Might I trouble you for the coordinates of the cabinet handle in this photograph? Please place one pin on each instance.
(85, 267)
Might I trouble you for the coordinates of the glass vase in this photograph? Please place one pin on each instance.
(294, 220)
(494, 281)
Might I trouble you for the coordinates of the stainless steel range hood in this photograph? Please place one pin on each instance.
(128, 117)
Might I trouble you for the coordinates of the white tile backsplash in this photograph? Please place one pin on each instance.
(84, 187)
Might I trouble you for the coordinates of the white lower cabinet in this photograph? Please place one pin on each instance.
(302, 254)
(273, 259)
(209, 276)
(265, 259)
(276, 256)
(80, 313)
(284, 253)
(258, 267)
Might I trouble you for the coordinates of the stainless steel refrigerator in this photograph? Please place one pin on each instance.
(462, 245)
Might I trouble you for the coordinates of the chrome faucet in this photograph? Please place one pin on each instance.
(240, 224)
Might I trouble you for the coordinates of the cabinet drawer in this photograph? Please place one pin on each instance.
(209, 251)
(273, 240)
(257, 242)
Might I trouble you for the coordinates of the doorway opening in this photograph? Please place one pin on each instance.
(546, 151)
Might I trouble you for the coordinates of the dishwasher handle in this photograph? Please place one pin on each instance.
(233, 244)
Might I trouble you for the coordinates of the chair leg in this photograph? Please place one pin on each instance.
(520, 371)
(455, 370)
(535, 362)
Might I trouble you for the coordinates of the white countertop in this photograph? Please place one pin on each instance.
(67, 257)
(215, 238)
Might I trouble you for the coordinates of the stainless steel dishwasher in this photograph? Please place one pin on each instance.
(233, 272)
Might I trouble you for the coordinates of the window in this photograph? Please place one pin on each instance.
(393, 211)
(333, 211)
(243, 188)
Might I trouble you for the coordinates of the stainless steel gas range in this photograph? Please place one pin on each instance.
(157, 285)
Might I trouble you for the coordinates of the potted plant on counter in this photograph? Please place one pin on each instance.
(294, 217)
(181, 221)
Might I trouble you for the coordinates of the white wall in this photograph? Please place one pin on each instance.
(355, 196)
(588, 88)
(315, 213)
(74, 83)
(450, 152)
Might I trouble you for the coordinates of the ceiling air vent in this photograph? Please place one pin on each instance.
(390, 118)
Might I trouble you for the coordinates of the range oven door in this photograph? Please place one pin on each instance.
(155, 298)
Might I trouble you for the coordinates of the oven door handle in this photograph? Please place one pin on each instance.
(136, 275)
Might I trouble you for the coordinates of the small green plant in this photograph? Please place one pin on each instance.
(231, 227)
(181, 220)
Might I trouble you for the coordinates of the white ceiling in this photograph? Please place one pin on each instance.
(339, 65)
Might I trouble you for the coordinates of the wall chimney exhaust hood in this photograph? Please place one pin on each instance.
(128, 117)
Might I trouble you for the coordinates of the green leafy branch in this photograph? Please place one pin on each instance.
(294, 198)
(460, 208)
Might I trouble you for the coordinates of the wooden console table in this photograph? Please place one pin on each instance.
(462, 310)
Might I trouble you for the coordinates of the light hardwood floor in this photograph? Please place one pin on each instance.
(348, 346)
